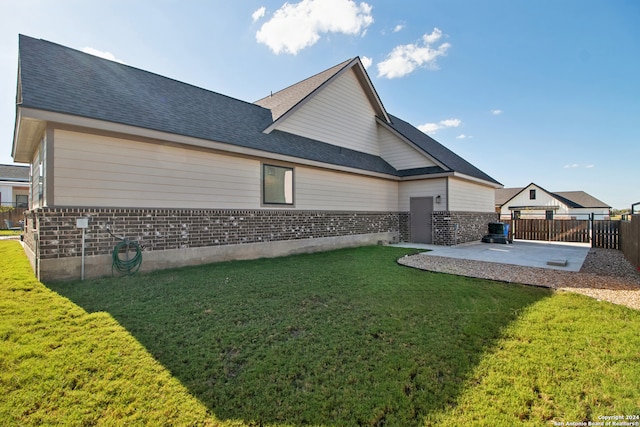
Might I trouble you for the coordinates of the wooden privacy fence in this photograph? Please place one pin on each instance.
(630, 240)
(12, 214)
(600, 233)
(554, 230)
(605, 234)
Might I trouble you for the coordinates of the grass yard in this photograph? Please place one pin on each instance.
(60, 365)
(338, 338)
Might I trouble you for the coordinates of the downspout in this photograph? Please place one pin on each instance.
(446, 191)
(36, 238)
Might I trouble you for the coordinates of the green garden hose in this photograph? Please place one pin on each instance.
(127, 266)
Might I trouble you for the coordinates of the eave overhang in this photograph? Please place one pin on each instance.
(27, 135)
(40, 118)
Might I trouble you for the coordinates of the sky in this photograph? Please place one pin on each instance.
(544, 91)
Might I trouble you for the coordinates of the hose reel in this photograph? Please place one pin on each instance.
(126, 256)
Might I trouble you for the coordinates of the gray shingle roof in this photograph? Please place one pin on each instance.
(580, 199)
(438, 151)
(504, 194)
(14, 173)
(63, 80)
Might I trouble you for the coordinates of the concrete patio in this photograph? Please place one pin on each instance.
(525, 253)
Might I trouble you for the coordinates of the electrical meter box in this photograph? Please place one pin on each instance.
(82, 223)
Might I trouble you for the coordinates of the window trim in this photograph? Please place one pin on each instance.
(532, 194)
(263, 171)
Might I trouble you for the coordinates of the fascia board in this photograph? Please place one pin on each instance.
(476, 180)
(181, 140)
(370, 90)
(427, 176)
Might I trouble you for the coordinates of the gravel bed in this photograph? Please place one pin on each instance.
(605, 275)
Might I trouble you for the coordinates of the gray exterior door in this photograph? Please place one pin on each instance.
(421, 209)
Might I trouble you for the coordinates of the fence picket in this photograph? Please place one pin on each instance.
(15, 215)
(604, 233)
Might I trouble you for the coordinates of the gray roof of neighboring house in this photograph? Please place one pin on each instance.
(14, 173)
(580, 199)
(573, 199)
(63, 80)
(505, 194)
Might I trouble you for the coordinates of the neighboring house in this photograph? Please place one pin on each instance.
(534, 202)
(14, 186)
(197, 176)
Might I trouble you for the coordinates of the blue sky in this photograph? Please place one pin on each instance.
(544, 91)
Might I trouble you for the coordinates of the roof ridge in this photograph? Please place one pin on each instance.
(286, 99)
(340, 65)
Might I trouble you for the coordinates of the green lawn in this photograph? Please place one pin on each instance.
(338, 338)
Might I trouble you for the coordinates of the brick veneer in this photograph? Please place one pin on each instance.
(471, 226)
(162, 229)
(404, 228)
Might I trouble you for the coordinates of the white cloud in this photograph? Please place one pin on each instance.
(451, 123)
(429, 127)
(398, 28)
(434, 127)
(462, 136)
(404, 59)
(259, 13)
(106, 55)
(294, 27)
(576, 165)
(496, 112)
(366, 61)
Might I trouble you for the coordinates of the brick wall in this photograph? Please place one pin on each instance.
(404, 228)
(471, 226)
(162, 229)
(29, 225)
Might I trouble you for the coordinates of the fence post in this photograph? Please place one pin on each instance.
(591, 234)
(513, 225)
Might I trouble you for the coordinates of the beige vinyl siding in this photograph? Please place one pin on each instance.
(340, 114)
(467, 196)
(108, 172)
(423, 188)
(318, 189)
(400, 154)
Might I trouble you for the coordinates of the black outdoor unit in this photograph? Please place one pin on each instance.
(498, 233)
(496, 228)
